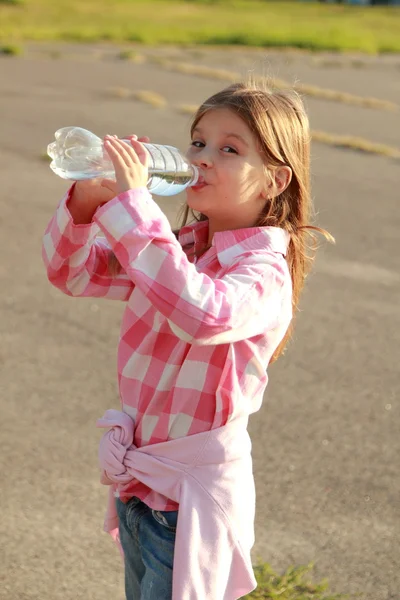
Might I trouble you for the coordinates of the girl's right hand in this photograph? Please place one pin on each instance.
(89, 194)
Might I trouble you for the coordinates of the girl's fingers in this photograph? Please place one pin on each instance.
(134, 152)
(143, 139)
(141, 152)
(128, 152)
(116, 158)
(122, 150)
(130, 171)
(134, 138)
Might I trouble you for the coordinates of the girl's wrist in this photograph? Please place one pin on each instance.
(80, 207)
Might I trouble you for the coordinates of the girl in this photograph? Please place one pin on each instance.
(208, 308)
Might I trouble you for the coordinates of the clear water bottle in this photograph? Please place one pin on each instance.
(79, 154)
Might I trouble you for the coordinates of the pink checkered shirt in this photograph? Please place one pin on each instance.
(197, 334)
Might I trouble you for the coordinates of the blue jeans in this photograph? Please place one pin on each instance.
(148, 541)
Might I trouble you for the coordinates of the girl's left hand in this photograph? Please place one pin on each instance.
(130, 164)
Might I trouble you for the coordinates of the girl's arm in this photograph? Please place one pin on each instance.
(76, 258)
(251, 298)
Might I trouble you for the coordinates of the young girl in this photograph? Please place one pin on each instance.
(209, 307)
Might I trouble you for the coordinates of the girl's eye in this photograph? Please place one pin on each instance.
(225, 149)
(230, 150)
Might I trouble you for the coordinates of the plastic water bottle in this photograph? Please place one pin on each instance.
(79, 154)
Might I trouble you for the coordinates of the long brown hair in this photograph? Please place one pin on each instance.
(280, 125)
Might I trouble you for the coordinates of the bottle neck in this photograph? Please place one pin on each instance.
(196, 175)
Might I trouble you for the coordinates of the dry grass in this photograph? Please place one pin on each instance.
(355, 143)
(345, 98)
(187, 109)
(303, 88)
(132, 56)
(146, 96)
(119, 92)
(201, 70)
(149, 97)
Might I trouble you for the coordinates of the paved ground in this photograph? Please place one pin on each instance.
(326, 442)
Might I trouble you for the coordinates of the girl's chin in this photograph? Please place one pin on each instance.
(197, 190)
(193, 200)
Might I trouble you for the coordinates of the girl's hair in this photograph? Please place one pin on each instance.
(280, 125)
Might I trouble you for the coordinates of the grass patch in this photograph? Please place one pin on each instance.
(201, 70)
(312, 26)
(302, 88)
(146, 96)
(132, 56)
(119, 92)
(54, 54)
(292, 585)
(149, 97)
(345, 97)
(187, 109)
(356, 143)
(10, 50)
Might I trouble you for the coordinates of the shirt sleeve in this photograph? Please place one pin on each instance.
(76, 258)
(245, 302)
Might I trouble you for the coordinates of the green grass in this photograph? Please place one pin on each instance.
(291, 585)
(310, 25)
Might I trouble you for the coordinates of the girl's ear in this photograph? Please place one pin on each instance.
(280, 180)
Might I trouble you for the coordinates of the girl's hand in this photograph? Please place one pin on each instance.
(89, 194)
(130, 164)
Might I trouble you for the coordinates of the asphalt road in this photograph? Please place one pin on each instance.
(326, 441)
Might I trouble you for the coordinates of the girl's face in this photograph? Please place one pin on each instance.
(233, 180)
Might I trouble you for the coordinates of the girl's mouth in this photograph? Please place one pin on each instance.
(199, 185)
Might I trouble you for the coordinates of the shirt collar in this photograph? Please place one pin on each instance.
(194, 233)
(233, 243)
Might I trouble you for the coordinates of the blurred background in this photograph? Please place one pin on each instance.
(326, 441)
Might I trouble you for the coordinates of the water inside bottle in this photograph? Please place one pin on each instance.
(169, 172)
(163, 183)
(168, 183)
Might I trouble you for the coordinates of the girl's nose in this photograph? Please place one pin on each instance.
(203, 159)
